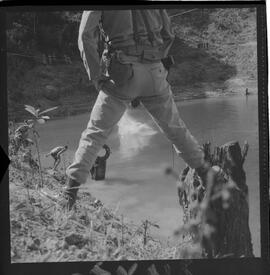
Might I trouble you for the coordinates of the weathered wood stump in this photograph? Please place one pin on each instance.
(221, 205)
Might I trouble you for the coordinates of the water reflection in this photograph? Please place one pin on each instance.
(134, 135)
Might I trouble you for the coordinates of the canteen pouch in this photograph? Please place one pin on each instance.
(119, 71)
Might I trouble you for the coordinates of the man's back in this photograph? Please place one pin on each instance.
(119, 26)
(124, 28)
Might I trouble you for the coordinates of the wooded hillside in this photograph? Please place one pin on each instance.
(215, 51)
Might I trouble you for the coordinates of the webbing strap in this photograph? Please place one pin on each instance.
(150, 33)
(135, 27)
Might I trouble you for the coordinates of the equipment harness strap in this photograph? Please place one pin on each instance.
(150, 33)
(135, 27)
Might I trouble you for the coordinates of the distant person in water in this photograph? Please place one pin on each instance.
(133, 64)
(56, 153)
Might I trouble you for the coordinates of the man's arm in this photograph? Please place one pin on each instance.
(88, 43)
(61, 151)
(166, 32)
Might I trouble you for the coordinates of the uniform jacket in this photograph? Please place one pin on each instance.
(118, 26)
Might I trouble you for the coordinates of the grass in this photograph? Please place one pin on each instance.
(41, 231)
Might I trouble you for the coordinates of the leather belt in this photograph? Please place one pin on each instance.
(143, 52)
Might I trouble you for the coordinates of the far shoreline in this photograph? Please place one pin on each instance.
(188, 94)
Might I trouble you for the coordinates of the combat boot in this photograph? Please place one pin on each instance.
(70, 194)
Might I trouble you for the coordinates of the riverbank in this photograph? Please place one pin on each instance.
(83, 102)
(41, 231)
(80, 99)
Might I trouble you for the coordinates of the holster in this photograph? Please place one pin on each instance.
(167, 62)
(118, 71)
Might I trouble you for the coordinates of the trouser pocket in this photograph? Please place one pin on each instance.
(159, 76)
(120, 72)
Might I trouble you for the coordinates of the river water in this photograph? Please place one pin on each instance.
(135, 181)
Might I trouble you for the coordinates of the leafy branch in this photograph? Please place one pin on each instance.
(39, 118)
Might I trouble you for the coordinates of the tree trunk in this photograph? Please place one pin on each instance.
(224, 210)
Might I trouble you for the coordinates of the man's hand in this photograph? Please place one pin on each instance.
(101, 81)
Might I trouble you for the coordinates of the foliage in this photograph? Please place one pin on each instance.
(217, 44)
(28, 31)
(41, 119)
(231, 20)
(197, 19)
(38, 115)
(71, 16)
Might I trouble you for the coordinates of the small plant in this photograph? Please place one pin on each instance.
(146, 225)
(39, 118)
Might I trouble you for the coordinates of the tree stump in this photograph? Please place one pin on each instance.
(222, 206)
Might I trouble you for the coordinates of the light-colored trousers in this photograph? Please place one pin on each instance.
(150, 85)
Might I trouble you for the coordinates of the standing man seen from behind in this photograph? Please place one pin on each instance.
(132, 66)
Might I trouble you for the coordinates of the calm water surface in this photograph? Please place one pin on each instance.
(135, 180)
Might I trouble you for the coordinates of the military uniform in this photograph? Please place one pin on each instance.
(142, 53)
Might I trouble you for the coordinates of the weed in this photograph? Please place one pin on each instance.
(40, 118)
